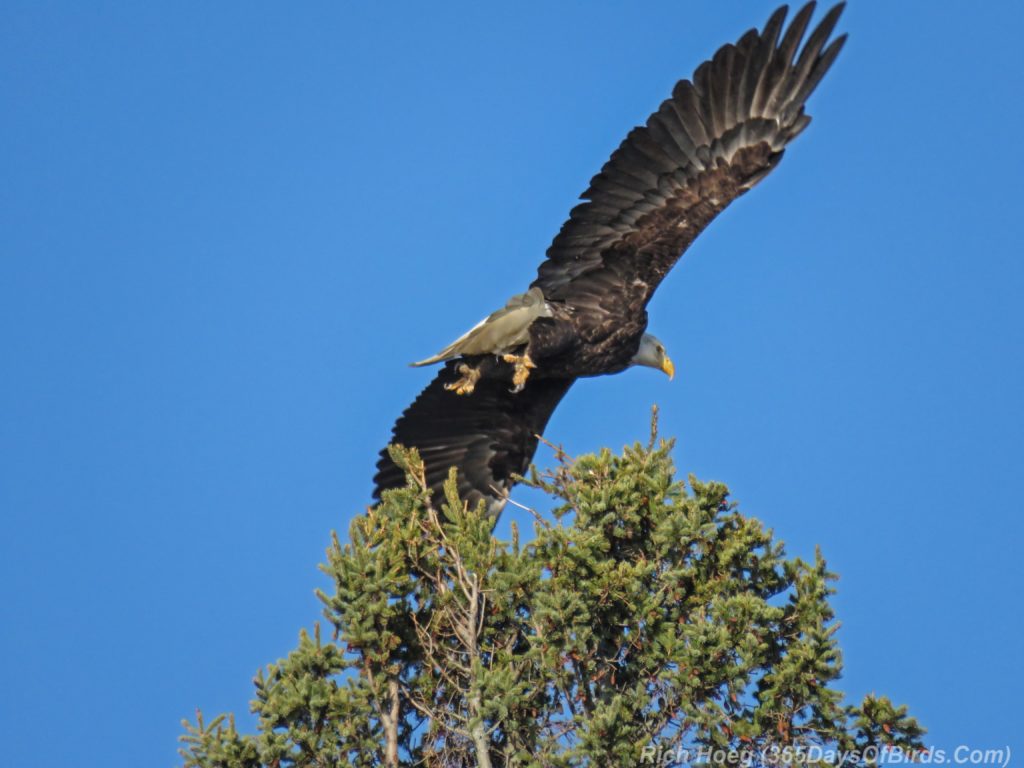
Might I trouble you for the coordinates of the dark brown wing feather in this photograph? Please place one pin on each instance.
(714, 139)
(489, 435)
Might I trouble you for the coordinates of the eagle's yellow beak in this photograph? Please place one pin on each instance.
(667, 367)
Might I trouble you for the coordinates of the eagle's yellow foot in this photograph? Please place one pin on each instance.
(523, 364)
(465, 385)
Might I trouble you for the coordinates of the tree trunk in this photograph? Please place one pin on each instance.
(391, 726)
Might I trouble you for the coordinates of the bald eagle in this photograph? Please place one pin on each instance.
(585, 314)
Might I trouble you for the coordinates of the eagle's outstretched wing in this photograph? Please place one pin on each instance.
(489, 435)
(714, 139)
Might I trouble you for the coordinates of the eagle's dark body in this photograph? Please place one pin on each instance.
(716, 137)
(576, 344)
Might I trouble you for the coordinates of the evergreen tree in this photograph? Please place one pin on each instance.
(648, 621)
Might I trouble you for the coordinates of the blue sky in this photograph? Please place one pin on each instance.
(226, 228)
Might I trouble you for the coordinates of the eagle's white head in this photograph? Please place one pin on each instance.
(652, 354)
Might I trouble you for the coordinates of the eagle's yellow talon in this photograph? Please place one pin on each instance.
(465, 385)
(522, 364)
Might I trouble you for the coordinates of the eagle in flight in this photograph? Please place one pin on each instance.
(585, 314)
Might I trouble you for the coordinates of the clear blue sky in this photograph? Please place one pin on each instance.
(226, 228)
